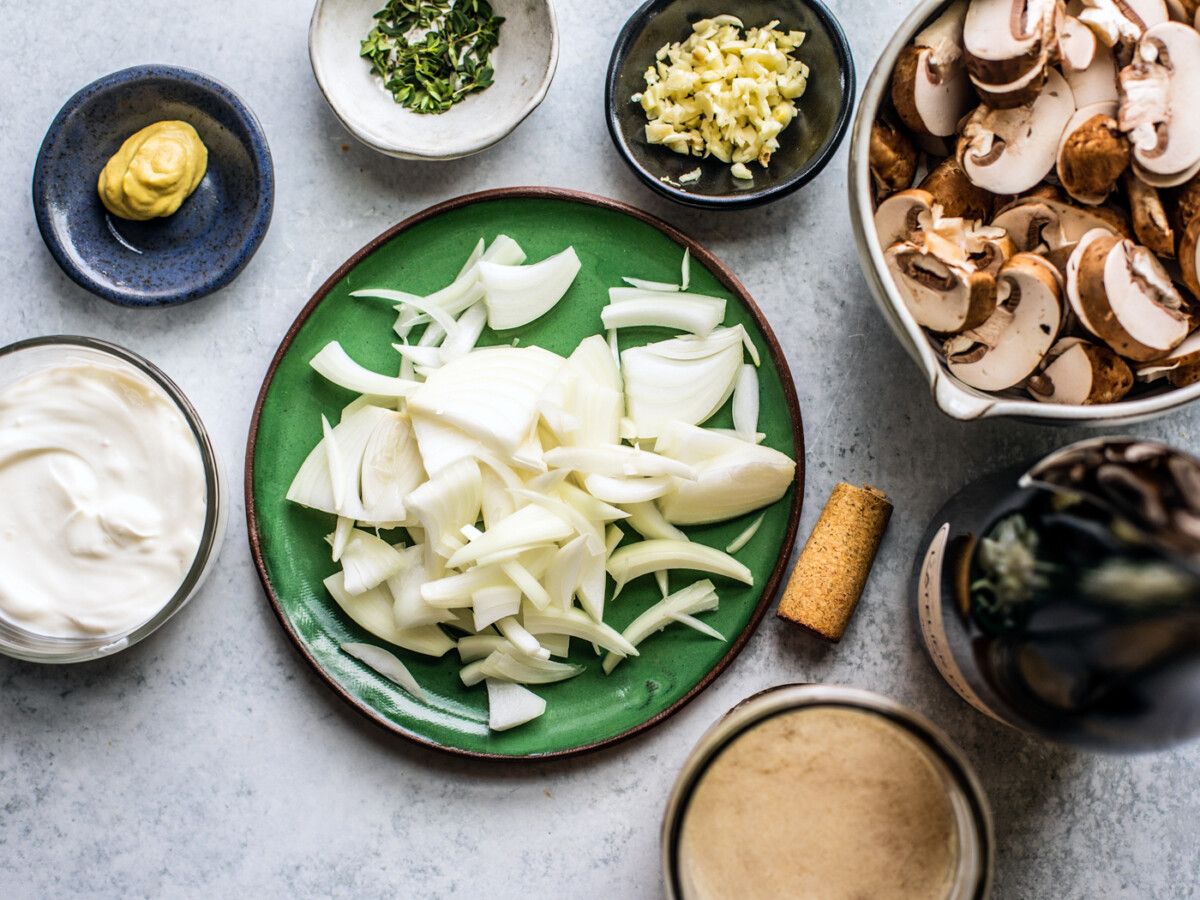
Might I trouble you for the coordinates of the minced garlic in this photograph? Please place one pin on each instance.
(722, 94)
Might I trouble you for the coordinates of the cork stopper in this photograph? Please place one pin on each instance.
(832, 570)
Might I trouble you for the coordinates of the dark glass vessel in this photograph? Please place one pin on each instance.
(1064, 598)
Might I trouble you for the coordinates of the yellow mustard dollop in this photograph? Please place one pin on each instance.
(155, 170)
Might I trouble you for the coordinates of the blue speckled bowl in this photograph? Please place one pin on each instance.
(200, 248)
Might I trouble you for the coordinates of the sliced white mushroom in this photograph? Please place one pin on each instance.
(930, 89)
(1122, 21)
(942, 297)
(1038, 224)
(1129, 301)
(1008, 151)
(1092, 154)
(1158, 96)
(989, 248)
(969, 245)
(1006, 39)
(898, 218)
(1165, 181)
(1009, 346)
(1033, 226)
(1076, 47)
(1150, 224)
(1180, 365)
(1071, 277)
(1097, 83)
(1080, 373)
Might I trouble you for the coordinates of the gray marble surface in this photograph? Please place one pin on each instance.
(209, 761)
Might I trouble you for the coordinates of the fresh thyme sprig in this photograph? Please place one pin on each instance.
(432, 53)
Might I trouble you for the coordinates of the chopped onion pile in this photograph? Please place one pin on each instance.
(507, 469)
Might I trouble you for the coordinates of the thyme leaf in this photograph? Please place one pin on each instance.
(431, 53)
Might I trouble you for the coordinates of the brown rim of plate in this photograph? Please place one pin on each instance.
(723, 275)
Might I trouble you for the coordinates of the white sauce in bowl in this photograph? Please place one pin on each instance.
(102, 500)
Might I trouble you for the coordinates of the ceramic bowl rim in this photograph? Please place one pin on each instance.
(954, 398)
(632, 30)
(258, 150)
(467, 147)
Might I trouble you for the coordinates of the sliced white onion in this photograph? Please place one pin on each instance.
(387, 665)
(336, 365)
(744, 538)
(745, 403)
(644, 557)
(510, 705)
(372, 610)
(516, 295)
(683, 379)
(664, 312)
(700, 596)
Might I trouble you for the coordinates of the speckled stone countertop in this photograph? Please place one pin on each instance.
(209, 761)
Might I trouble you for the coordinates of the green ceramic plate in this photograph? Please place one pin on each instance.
(421, 255)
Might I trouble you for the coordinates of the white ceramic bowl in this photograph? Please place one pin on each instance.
(524, 62)
(953, 397)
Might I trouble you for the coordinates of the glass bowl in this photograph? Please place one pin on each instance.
(972, 873)
(25, 358)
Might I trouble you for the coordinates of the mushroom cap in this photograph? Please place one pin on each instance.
(1005, 39)
(1158, 95)
(1008, 151)
(1129, 301)
(1015, 93)
(1009, 346)
(898, 218)
(1079, 373)
(929, 101)
(1092, 154)
(952, 188)
(1189, 250)
(941, 297)
(1150, 224)
(892, 158)
(1187, 202)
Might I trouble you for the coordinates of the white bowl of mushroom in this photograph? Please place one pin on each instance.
(1025, 195)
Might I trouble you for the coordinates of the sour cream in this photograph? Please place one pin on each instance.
(102, 500)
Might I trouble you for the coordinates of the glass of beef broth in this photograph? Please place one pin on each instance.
(830, 792)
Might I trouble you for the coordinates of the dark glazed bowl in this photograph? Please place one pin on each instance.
(170, 260)
(805, 146)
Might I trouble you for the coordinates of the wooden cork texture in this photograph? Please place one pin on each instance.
(833, 566)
